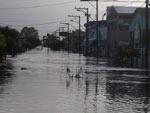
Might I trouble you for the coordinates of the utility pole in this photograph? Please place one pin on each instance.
(97, 48)
(87, 21)
(147, 36)
(60, 29)
(79, 38)
(67, 35)
(97, 40)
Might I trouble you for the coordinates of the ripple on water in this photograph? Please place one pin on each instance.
(38, 84)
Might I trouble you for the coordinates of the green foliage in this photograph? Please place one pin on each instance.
(9, 32)
(2, 41)
(53, 42)
(2, 45)
(29, 37)
(11, 40)
(28, 32)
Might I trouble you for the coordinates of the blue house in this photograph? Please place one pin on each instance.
(102, 36)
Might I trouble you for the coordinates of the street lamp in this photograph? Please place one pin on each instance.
(96, 23)
(87, 15)
(61, 29)
(79, 30)
(103, 16)
(78, 23)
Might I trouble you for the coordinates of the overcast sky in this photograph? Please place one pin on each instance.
(46, 15)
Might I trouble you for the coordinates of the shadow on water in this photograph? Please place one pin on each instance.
(5, 74)
(103, 89)
(92, 87)
(131, 85)
(147, 95)
(124, 88)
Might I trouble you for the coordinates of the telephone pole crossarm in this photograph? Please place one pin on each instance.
(79, 29)
(68, 35)
(87, 15)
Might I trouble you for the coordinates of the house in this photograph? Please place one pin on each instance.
(118, 19)
(102, 35)
(137, 29)
(137, 26)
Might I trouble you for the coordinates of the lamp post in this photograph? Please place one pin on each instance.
(97, 28)
(97, 48)
(60, 30)
(79, 30)
(87, 20)
(68, 34)
(103, 16)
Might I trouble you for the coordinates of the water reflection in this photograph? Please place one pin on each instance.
(44, 87)
(124, 89)
(147, 90)
(5, 76)
(128, 89)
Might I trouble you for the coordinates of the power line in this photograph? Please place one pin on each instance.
(34, 20)
(92, 5)
(47, 23)
(113, 1)
(37, 6)
(44, 23)
(39, 24)
(120, 1)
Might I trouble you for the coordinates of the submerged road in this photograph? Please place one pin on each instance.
(36, 82)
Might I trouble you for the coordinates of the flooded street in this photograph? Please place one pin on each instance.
(36, 82)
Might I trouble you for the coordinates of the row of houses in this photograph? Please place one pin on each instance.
(121, 35)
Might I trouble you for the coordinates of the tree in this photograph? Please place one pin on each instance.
(53, 42)
(2, 41)
(28, 32)
(11, 40)
(2, 45)
(29, 37)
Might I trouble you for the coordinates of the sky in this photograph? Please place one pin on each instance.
(47, 15)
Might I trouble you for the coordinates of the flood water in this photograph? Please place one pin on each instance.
(36, 82)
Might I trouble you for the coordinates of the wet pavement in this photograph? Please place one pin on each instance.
(37, 82)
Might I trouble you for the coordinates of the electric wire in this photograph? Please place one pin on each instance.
(36, 6)
(40, 20)
(92, 5)
(46, 23)
(49, 23)
(121, 1)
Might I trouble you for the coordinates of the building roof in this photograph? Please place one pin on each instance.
(126, 10)
(139, 19)
(121, 10)
(142, 11)
(101, 23)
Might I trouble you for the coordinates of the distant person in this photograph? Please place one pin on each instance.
(68, 71)
(79, 73)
